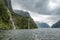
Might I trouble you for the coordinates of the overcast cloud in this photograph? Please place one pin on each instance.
(48, 9)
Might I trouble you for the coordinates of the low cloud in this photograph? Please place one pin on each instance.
(39, 9)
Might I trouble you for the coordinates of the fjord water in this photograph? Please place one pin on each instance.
(31, 34)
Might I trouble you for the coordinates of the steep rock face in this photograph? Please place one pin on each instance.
(21, 22)
(4, 17)
(56, 25)
(42, 25)
(8, 4)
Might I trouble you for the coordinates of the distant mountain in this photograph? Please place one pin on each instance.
(42, 25)
(56, 25)
(22, 13)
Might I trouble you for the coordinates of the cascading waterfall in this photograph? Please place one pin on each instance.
(11, 19)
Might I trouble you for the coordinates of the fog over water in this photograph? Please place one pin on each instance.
(47, 11)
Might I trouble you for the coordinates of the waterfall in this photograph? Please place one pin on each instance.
(8, 4)
(11, 19)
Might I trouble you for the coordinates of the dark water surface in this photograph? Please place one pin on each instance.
(33, 34)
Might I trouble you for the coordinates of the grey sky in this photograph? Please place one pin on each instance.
(49, 9)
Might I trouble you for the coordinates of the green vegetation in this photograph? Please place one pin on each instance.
(19, 21)
(23, 22)
(4, 17)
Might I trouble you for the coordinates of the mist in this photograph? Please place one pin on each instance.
(47, 11)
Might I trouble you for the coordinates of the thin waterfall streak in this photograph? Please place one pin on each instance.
(11, 19)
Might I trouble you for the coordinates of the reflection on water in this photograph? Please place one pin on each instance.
(35, 34)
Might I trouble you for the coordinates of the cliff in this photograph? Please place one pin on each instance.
(20, 22)
(4, 17)
(56, 25)
(8, 4)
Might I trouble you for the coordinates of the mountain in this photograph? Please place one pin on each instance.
(56, 25)
(22, 13)
(23, 22)
(42, 25)
(8, 18)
